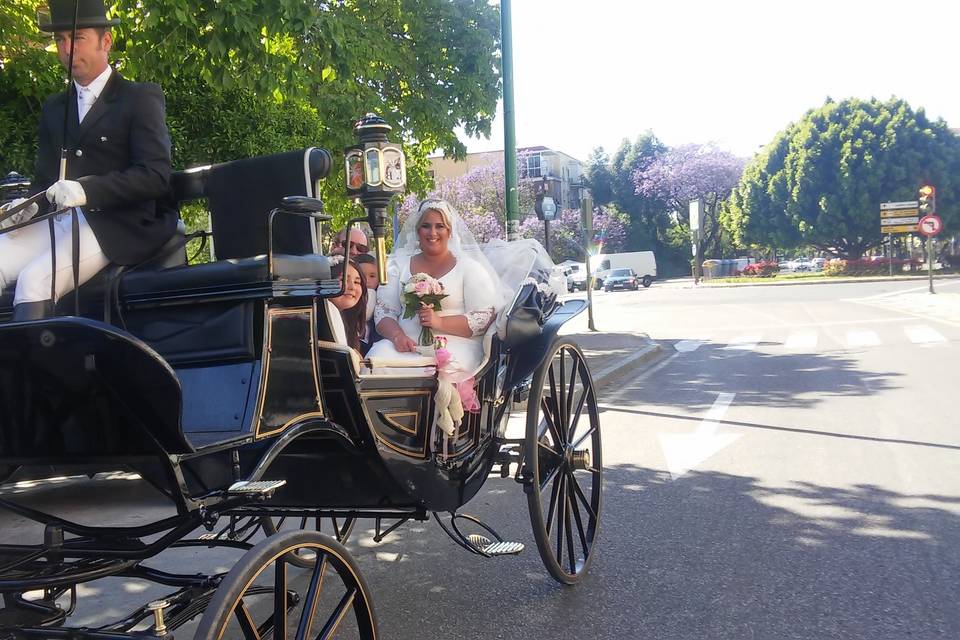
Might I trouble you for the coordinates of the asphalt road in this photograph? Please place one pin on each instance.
(789, 470)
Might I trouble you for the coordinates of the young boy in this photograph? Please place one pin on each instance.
(368, 269)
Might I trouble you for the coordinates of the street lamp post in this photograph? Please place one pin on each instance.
(376, 170)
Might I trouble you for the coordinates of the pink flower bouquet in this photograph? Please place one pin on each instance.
(422, 290)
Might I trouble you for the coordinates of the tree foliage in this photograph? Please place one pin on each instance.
(690, 172)
(610, 179)
(821, 180)
(254, 76)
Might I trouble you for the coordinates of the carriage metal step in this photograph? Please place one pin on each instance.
(490, 548)
(258, 488)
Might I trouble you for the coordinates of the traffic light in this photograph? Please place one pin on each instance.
(928, 200)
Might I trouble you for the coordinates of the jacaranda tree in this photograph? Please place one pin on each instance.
(687, 173)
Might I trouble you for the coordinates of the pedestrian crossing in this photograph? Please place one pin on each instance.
(809, 340)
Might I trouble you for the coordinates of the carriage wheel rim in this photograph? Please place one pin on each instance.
(364, 613)
(567, 532)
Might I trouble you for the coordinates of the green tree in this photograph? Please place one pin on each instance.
(256, 76)
(820, 182)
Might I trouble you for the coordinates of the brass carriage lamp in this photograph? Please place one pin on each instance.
(375, 171)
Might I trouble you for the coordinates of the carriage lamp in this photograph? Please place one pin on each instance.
(375, 171)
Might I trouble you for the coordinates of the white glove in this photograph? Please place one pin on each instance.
(17, 218)
(67, 193)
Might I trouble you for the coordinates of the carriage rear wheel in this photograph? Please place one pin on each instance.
(339, 528)
(563, 463)
(262, 598)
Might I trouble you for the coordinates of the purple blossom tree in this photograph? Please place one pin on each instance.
(479, 197)
(689, 172)
(566, 233)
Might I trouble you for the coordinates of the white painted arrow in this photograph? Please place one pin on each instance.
(685, 451)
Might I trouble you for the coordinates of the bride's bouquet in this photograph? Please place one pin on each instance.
(422, 290)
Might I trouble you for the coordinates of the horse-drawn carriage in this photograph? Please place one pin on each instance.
(225, 387)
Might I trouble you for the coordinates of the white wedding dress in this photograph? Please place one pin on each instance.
(470, 293)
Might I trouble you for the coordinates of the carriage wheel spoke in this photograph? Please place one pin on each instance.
(313, 598)
(547, 448)
(576, 445)
(564, 420)
(568, 529)
(549, 418)
(550, 475)
(576, 414)
(570, 390)
(561, 513)
(245, 620)
(280, 600)
(577, 518)
(554, 494)
(583, 498)
(336, 617)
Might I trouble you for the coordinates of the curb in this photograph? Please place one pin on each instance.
(652, 351)
(800, 281)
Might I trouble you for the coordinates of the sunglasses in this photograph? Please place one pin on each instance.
(361, 248)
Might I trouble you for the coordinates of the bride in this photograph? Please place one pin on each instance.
(435, 241)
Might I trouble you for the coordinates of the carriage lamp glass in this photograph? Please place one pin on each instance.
(375, 170)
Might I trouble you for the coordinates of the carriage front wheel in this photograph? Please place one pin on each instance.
(266, 596)
(563, 465)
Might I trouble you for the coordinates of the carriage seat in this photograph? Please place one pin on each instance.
(213, 277)
(239, 196)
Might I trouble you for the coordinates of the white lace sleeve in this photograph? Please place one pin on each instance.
(479, 320)
(386, 308)
(479, 297)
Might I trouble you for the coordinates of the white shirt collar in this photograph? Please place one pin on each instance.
(98, 83)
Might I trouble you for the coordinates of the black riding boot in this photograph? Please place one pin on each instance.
(32, 311)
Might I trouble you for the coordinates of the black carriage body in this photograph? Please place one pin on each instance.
(230, 371)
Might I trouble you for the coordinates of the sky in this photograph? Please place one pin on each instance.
(589, 73)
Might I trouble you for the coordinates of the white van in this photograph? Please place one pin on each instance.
(643, 263)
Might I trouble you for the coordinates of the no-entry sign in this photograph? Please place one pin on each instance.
(931, 225)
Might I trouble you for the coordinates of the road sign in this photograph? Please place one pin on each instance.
(899, 217)
(931, 225)
(898, 213)
(888, 222)
(547, 208)
(903, 228)
(906, 204)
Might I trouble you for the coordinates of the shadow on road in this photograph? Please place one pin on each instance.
(710, 555)
(758, 378)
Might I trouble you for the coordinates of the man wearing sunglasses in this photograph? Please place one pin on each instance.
(358, 243)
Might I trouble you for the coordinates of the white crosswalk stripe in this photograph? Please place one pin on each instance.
(746, 342)
(810, 340)
(801, 341)
(923, 335)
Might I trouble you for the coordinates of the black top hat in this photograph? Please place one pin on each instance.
(90, 13)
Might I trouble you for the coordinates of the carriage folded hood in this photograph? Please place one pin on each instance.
(75, 389)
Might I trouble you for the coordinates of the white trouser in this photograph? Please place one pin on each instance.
(25, 257)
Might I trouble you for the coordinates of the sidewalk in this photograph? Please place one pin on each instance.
(943, 305)
(611, 353)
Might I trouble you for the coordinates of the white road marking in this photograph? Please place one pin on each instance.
(801, 341)
(686, 346)
(685, 451)
(862, 338)
(923, 335)
(745, 342)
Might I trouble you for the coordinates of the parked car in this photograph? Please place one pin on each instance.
(577, 280)
(621, 279)
(599, 277)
